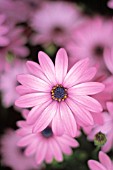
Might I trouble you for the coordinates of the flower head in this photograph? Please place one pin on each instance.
(90, 40)
(53, 23)
(44, 145)
(104, 164)
(57, 96)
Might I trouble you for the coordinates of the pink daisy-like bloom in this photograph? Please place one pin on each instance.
(53, 24)
(90, 40)
(57, 95)
(3, 32)
(110, 4)
(44, 145)
(108, 58)
(106, 128)
(104, 164)
(8, 90)
(12, 155)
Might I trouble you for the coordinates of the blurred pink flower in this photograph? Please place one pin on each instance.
(90, 40)
(44, 145)
(53, 23)
(106, 128)
(104, 164)
(108, 58)
(12, 156)
(110, 4)
(15, 11)
(57, 95)
(3, 32)
(9, 82)
(16, 46)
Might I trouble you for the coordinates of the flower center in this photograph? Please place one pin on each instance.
(59, 93)
(47, 132)
(98, 51)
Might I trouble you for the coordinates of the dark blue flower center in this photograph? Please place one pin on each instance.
(59, 93)
(47, 132)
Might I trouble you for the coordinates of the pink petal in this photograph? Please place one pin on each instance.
(75, 72)
(3, 41)
(87, 75)
(65, 149)
(36, 70)
(34, 83)
(110, 108)
(31, 149)
(36, 111)
(26, 140)
(41, 152)
(24, 90)
(68, 119)
(49, 155)
(105, 160)
(108, 58)
(88, 88)
(61, 65)
(47, 66)
(22, 131)
(67, 140)
(94, 165)
(88, 102)
(33, 99)
(46, 117)
(57, 126)
(56, 150)
(82, 114)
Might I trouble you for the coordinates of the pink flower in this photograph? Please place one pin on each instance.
(54, 21)
(104, 164)
(57, 95)
(108, 58)
(90, 40)
(44, 145)
(110, 4)
(15, 11)
(8, 82)
(16, 46)
(12, 155)
(3, 32)
(106, 128)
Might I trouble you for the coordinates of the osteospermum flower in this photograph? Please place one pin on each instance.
(90, 40)
(53, 24)
(3, 32)
(12, 155)
(9, 94)
(104, 164)
(44, 145)
(108, 58)
(57, 95)
(106, 128)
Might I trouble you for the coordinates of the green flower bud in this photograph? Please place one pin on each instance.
(100, 139)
